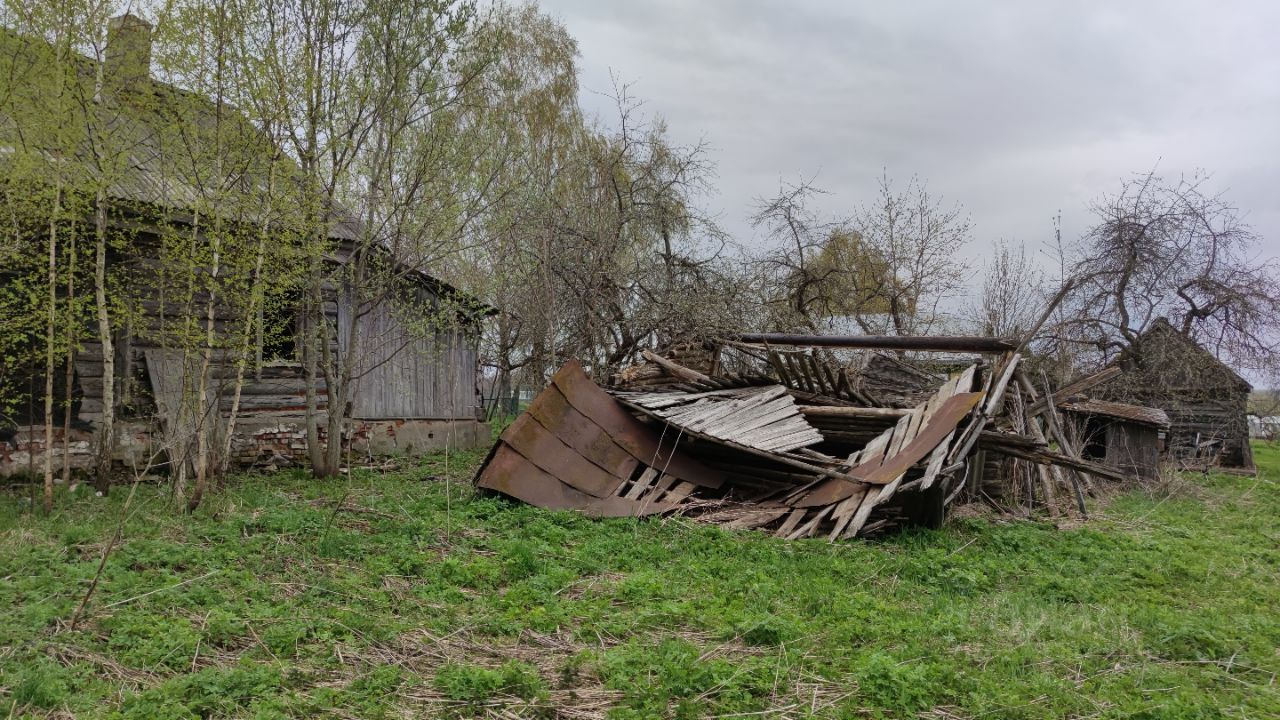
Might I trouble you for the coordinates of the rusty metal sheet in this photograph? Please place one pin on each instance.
(577, 431)
(511, 474)
(637, 438)
(939, 426)
(577, 448)
(538, 445)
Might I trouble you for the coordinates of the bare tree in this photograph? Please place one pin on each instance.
(799, 295)
(920, 240)
(887, 268)
(1013, 293)
(634, 259)
(1177, 250)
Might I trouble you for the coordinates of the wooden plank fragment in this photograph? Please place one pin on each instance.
(542, 448)
(836, 411)
(676, 369)
(641, 484)
(791, 522)
(634, 436)
(1078, 386)
(511, 474)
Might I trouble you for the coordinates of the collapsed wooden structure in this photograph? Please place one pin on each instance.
(782, 434)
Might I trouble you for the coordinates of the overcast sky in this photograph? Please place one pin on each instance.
(1017, 110)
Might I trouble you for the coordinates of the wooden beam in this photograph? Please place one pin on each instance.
(934, 343)
(1075, 387)
(837, 411)
(677, 369)
(1048, 310)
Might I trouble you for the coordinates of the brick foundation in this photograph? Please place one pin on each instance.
(258, 440)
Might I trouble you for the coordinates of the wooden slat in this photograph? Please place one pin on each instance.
(540, 446)
(641, 484)
(634, 436)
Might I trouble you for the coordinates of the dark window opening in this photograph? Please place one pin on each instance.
(1095, 439)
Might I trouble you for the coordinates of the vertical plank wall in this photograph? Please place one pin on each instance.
(402, 377)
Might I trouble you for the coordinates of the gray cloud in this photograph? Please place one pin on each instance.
(1016, 110)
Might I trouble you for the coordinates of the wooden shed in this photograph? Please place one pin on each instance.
(416, 390)
(1126, 437)
(1206, 401)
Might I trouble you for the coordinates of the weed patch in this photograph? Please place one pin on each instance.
(400, 594)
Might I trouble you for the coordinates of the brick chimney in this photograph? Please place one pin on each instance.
(128, 61)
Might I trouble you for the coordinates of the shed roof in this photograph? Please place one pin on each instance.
(1129, 413)
(1161, 330)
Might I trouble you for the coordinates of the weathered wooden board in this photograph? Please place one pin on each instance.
(511, 474)
(541, 447)
(404, 375)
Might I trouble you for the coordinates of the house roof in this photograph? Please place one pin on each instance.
(1129, 413)
(162, 142)
(159, 139)
(1162, 329)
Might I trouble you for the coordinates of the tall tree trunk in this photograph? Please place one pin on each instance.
(180, 451)
(335, 397)
(50, 329)
(106, 435)
(313, 336)
(252, 330)
(339, 387)
(209, 416)
(73, 332)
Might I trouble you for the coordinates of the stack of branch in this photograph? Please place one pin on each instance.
(794, 444)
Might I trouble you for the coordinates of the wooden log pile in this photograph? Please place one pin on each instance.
(794, 441)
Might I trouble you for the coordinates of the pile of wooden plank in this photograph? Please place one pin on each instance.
(781, 434)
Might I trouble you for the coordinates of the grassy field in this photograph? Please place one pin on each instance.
(401, 595)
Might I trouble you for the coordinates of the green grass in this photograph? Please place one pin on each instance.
(417, 598)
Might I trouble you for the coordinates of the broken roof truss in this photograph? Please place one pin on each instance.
(791, 442)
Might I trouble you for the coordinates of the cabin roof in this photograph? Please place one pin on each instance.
(160, 139)
(1121, 411)
(1161, 330)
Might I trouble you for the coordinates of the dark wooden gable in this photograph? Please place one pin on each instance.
(1206, 400)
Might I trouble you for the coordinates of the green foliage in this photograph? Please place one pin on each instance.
(898, 687)
(852, 277)
(212, 692)
(473, 684)
(42, 684)
(1161, 606)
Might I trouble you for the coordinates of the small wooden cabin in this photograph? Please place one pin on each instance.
(417, 390)
(1127, 437)
(1206, 401)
